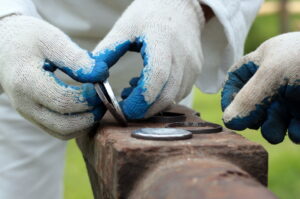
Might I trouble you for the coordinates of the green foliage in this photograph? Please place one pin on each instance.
(262, 29)
(77, 184)
(266, 27)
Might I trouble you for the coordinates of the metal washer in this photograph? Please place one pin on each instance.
(197, 127)
(167, 134)
(163, 117)
(108, 98)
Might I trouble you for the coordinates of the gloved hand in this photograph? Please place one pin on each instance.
(167, 34)
(262, 90)
(35, 92)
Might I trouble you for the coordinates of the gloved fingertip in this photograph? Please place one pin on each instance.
(98, 113)
(126, 92)
(274, 132)
(235, 124)
(134, 81)
(135, 106)
(234, 120)
(252, 120)
(294, 131)
(276, 124)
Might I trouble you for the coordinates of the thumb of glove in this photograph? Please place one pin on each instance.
(79, 64)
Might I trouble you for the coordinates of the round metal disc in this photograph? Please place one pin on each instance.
(164, 117)
(161, 134)
(167, 117)
(197, 127)
(111, 102)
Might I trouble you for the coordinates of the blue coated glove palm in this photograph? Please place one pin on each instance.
(263, 90)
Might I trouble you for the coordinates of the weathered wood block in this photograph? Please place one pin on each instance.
(120, 165)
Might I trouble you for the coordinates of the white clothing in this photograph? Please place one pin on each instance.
(31, 161)
(87, 22)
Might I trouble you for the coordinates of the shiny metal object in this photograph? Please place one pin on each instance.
(197, 127)
(167, 117)
(108, 98)
(164, 117)
(161, 134)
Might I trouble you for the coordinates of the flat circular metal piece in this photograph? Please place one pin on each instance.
(110, 101)
(197, 127)
(168, 134)
(167, 117)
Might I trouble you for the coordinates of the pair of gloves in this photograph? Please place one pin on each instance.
(262, 90)
(166, 33)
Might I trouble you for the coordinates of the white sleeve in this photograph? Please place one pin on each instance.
(23, 7)
(223, 39)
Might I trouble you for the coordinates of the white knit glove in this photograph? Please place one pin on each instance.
(263, 90)
(35, 92)
(167, 34)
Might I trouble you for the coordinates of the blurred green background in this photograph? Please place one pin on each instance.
(284, 164)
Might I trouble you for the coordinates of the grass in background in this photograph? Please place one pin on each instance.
(77, 185)
(284, 162)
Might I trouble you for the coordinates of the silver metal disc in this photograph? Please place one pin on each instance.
(111, 102)
(197, 127)
(161, 134)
